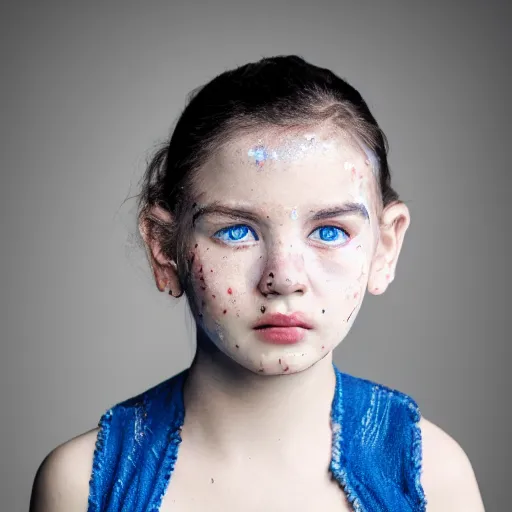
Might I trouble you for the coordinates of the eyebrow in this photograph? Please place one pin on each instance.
(343, 210)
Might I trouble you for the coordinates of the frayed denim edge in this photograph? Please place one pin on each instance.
(98, 459)
(338, 465)
(171, 454)
(416, 455)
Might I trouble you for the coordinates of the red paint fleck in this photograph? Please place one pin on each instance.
(356, 295)
(211, 270)
(230, 291)
(225, 311)
(286, 369)
(214, 296)
(201, 269)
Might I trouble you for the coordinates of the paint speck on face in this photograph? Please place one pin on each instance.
(387, 276)
(286, 369)
(214, 296)
(294, 215)
(263, 309)
(260, 155)
(237, 346)
(196, 246)
(225, 311)
(230, 291)
(261, 370)
(279, 361)
(351, 314)
(271, 274)
(211, 270)
(212, 480)
(323, 347)
(323, 311)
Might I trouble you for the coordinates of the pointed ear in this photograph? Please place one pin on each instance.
(151, 226)
(395, 220)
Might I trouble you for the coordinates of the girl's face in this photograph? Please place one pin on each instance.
(283, 225)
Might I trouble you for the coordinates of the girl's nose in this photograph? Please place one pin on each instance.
(284, 275)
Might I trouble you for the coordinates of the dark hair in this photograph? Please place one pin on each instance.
(277, 92)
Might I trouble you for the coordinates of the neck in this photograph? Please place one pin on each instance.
(237, 414)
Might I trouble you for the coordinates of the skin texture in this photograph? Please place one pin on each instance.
(241, 388)
(282, 265)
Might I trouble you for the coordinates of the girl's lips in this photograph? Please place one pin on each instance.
(281, 335)
(279, 320)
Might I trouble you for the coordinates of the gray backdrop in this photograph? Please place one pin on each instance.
(90, 87)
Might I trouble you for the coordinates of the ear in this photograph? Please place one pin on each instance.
(164, 269)
(395, 220)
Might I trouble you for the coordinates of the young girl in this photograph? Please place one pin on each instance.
(271, 209)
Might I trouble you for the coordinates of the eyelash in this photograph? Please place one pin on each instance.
(246, 229)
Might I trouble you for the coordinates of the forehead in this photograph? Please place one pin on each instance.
(292, 168)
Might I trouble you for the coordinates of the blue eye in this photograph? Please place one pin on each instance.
(330, 234)
(236, 233)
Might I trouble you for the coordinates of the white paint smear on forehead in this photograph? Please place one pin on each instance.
(290, 150)
(299, 147)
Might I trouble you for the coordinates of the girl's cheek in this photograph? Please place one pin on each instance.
(213, 292)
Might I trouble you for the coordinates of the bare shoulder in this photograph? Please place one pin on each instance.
(62, 480)
(447, 478)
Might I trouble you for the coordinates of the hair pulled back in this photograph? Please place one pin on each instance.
(276, 92)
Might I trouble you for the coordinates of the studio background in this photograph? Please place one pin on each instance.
(89, 88)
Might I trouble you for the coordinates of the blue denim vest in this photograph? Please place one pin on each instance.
(376, 448)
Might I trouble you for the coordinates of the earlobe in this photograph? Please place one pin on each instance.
(395, 220)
